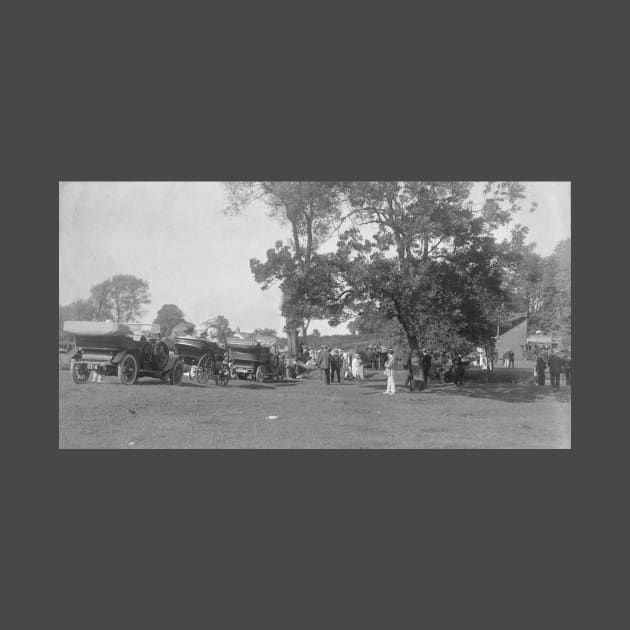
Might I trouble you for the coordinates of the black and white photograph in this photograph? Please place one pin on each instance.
(315, 315)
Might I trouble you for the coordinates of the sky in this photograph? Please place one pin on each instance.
(175, 236)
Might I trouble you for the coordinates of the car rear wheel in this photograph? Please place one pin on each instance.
(128, 370)
(80, 374)
(260, 374)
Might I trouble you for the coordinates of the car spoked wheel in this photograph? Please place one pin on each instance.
(128, 370)
(222, 377)
(177, 372)
(260, 374)
(204, 368)
(80, 373)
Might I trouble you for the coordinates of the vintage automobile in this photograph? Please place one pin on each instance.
(202, 359)
(248, 358)
(130, 351)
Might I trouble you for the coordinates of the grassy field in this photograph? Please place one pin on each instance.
(349, 415)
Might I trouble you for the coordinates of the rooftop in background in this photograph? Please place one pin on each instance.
(511, 323)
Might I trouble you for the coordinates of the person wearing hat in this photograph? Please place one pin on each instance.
(323, 363)
(389, 372)
(335, 365)
(426, 366)
(555, 367)
(541, 364)
(567, 367)
(458, 371)
(357, 366)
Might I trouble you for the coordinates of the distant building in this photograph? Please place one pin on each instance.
(539, 342)
(266, 340)
(243, 335)
(513, 336)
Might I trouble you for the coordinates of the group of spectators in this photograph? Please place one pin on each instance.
(335, 364)
(423, 368)
(558, 363)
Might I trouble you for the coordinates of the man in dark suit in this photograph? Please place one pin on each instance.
(335, 366)
(323, 363)
(540, 369)
(426, 366)
(555, 367)
(511, 358)
(567, 368)
(458, 370)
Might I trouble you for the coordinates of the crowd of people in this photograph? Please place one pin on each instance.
(422, 366)
(444, 367)
(334, 363)
(559, 364)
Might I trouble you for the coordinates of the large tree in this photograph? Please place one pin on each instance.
(311, 211)
(120, 298)
(422, 253)
(168, 317)
(555, 313)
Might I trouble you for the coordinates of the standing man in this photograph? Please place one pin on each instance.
(567, 368)
(323, 363)
(540, 369)
(511, 357)
(555, 367)
(335, 366)
(426, 366)
(458, 370)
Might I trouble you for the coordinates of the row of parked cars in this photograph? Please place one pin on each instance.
(133, 350)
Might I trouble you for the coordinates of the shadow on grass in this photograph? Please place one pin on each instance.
(505, 392)
(269, 386)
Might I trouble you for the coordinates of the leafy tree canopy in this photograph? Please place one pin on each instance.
(168, 317)
(120, 298)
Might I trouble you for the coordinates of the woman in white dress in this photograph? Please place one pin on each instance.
(389, 371)
(358, 367)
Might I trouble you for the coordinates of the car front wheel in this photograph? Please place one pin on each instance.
(128, 370)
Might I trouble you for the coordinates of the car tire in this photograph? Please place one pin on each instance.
(128, 369)
(80, 375)
(177, 372)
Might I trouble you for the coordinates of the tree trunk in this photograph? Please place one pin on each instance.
(292, 327)
(413, 343)
(293, 323)
(292, 336)
(414, 347)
